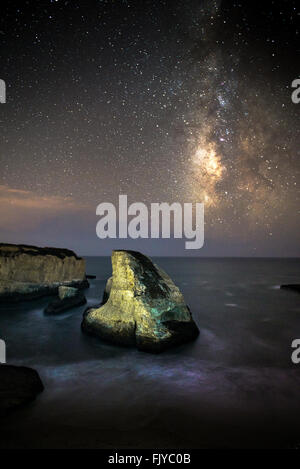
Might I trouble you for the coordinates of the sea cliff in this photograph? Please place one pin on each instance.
(28, 272)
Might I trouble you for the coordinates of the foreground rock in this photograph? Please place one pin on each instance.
(28, 272)
(294, 287)
(18, 385)
(142, 307)
(68, 298)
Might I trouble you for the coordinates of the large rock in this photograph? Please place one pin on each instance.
(68, 298)
(28, 272)
(18, 385)
(142, 307)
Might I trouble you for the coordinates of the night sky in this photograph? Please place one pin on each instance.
(165, 101)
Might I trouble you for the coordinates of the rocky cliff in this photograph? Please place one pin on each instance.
(28, 272)
(142, 307)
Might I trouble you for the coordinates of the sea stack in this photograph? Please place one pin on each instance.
(68, 297)
(28, 272)
(141, 307)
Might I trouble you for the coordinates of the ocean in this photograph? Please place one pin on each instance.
(235, 386)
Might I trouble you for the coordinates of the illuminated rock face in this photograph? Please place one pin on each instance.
(28, 272)
(142, 307)
(67, 292)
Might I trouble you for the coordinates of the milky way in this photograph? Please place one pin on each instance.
(162, 101)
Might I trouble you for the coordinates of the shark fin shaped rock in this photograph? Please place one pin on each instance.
(141, 307)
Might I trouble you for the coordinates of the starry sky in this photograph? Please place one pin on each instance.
(165, 101)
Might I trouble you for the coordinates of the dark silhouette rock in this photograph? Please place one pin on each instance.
(89, 276)
(295, 287)
(18, 385)
(141, 307)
